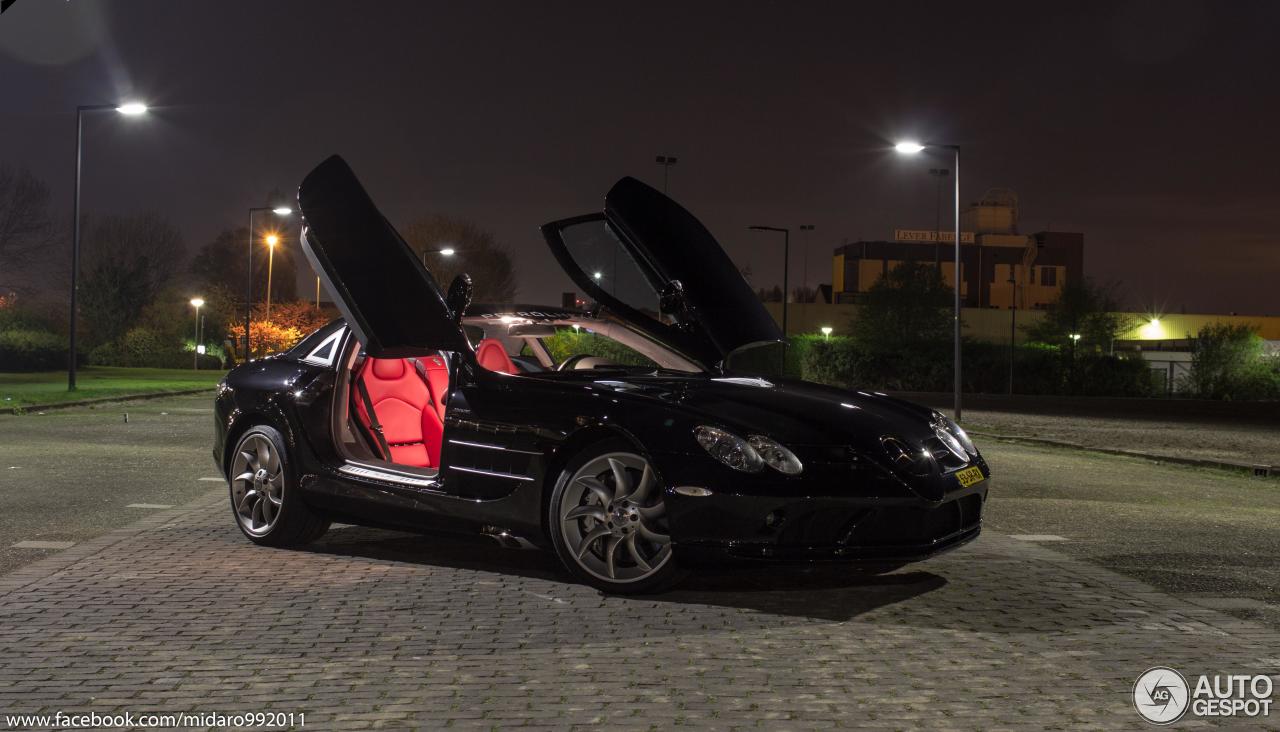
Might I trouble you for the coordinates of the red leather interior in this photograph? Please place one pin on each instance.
(491, 354)
(407, 407)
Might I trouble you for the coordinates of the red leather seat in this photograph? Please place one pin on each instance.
(411, 419)
(491, 354)
(438, 382)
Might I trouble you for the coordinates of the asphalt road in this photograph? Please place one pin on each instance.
(1205, 535)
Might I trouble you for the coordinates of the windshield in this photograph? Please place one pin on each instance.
(541, 341)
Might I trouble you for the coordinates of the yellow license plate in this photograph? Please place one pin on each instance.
(969, 476)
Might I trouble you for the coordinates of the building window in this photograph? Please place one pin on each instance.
(1049, 276)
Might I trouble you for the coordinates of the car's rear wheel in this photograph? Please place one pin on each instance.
(263, 493)
(608, 521)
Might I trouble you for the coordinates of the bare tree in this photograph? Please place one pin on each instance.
(475, 252)
(128, 261)
(26, 221)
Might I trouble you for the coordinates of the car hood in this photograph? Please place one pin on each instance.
(794, 412)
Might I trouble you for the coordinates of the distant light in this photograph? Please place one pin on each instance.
(197, 302)
(908, 147)
(132, 109)
(272, 240)
(447, 252)
(282, 211)
(1075, 336)
(200, 348)
(597, 276)
(826, 330)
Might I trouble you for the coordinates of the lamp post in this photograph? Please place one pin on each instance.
(272, 240)
(912, 148)
(666, 161)
(442, 251)
(826, 332)
(129, 109)
(1013, 324)
(804, 255)
(786, 274)
(197, 303)
(248, 295)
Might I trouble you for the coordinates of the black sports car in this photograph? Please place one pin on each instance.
(635, 439)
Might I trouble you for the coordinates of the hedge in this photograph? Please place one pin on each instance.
(28, 349)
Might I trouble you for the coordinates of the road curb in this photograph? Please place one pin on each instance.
(102, 400)
(1262, 471)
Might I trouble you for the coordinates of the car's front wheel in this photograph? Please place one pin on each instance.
(608, 521)
(263, 493)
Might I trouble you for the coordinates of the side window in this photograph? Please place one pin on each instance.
(326, 350)
(597, 251)
(569, 342)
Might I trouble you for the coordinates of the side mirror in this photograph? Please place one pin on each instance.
(672, 302)
(459, 296)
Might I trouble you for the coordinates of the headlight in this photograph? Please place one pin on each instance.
(729, 449)
(913, 461)
(776, 456)
(953, 436)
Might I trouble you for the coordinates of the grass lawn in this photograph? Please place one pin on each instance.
(48, 387)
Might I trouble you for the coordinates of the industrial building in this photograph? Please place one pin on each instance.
(999, 267)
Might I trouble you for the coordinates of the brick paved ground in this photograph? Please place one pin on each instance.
(380, 629)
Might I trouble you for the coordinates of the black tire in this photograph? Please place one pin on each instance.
(627, 514)
(260, 478)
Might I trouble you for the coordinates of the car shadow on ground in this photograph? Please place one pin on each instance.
(823, 592)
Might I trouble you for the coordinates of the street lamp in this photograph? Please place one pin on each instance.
(278, 210)
(666, 161)
(786, 272)
(786, 267)
(1013, 323)
(826, 332)
(272, 240)
(197, 303)
(804, 255)
(910, 147)
(128, 109)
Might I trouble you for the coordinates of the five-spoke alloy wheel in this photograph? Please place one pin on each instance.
(260, 482)
(608, 521)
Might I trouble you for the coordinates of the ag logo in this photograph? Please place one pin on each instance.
(1161, 695)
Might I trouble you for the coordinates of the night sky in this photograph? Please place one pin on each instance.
(1149, 126)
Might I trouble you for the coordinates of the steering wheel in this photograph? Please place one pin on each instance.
(570, 363)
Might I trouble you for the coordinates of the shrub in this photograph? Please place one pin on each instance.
(145, 347)
(29, 349)
(1231, 362)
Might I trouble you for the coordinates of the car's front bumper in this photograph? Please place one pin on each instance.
(876, 519)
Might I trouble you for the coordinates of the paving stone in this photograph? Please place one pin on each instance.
(372, 629)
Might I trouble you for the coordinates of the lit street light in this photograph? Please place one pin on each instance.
(197, 303)
(910, 147)
(826, 332)
(129, 109)
(272, 240)
(248, 295)
(445, 251)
